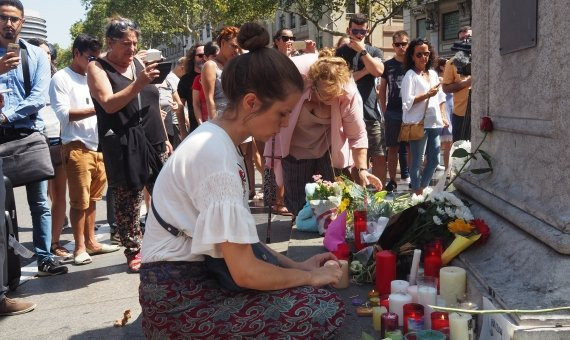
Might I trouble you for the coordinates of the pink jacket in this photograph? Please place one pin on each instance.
(347, 123)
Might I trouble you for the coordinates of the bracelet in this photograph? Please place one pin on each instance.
(362, 169)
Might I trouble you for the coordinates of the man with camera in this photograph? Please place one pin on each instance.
(457, 80)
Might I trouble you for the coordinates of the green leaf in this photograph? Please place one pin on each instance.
(481, 171)
(486, 157)
(460, 153)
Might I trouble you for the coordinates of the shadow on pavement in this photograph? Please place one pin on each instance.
(132, 330)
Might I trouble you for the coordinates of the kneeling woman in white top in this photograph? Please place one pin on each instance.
(423, 99)
(202, 191)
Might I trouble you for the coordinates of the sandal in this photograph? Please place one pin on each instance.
(82, 258)
(280, 210)
(134, 263)
(60, 251)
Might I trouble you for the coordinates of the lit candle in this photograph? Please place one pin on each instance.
(452, 285)
(460, 326)
(359, 218)
(415, 266)
(377, 317)
(389, 323)
(439, 321)
(399, 286)
(413, 317)
(344, 280)
(385, 302)
(397, 302)
(385, 271)
(432, 262)
(413, 291)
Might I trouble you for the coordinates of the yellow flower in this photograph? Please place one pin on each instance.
(343, 205)
(460, 226)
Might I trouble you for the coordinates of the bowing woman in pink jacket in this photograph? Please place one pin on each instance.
(326, 130)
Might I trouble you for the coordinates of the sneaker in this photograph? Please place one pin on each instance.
(391, 186)
(15, 306)
(51, 267)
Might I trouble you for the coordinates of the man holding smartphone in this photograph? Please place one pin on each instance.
(19, 118)
(366, 64)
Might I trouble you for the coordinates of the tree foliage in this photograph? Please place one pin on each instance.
(162, 20)
(378, 11)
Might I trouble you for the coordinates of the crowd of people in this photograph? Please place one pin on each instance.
(229, 107)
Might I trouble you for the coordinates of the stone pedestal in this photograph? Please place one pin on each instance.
(526, 200)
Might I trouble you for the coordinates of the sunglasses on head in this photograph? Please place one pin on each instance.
(423, 54)
(401, 44)
(357, 31)
(285, 38)
(126, 24)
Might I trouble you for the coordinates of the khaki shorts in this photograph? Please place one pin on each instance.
(86, 176)
(376, 142)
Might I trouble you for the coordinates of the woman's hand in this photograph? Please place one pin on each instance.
(316, 261)
(322, 276)
(173, 105)
(148, 74)
(432, 92)
(169, 148)
(367, 178)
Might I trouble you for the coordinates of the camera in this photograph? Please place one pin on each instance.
(462, 59)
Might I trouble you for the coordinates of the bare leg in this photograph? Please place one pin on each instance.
(57, 189)
(392, 162)
(379, 167)
(89, 230)
(77, 218)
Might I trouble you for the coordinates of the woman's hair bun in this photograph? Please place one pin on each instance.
(252, 36)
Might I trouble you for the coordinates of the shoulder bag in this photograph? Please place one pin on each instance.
(217, 266)
(413, 131)
(26, 157)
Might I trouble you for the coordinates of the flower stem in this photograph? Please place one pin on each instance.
(471, 155)
(499, 311)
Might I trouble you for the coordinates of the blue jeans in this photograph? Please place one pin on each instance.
(430, 145)
(41, 219)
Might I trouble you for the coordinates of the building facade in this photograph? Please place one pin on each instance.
(34, 27)
(438, 21)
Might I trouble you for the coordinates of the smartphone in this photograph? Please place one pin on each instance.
(164, 69)
(299, 45)
(12, 47)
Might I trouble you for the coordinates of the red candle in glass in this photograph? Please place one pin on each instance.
(342, 251)
(385, 271)
(359, 227)
(389, 323)
(413, 317)
(384, 302)
(439, 321)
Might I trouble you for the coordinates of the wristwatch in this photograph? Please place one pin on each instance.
(361, 169)
(363, 52)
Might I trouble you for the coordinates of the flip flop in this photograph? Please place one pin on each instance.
(82, 258)
(105, 248)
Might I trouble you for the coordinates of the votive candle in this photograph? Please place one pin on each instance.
(397, 302)
(385, 301)
(377, 317)
(389, 323)
(413, 317)
(452, 284)
(460, 326)
(359, 218)
(385, 271)
(439, 320)
(399, 286)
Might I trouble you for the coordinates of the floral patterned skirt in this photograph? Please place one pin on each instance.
(180, 300)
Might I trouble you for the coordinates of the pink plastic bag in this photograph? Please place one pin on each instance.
(336, 232)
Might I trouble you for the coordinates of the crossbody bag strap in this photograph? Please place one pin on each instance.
(134, 71)
(167, 226)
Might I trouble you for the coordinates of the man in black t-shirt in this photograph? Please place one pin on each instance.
(195, 59)
(392, 108)
(366, 64)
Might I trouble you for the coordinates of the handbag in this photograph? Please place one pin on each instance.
(217, 266)
(413, 131)
(27, 160)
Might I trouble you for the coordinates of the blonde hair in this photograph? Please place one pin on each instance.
(331, 73)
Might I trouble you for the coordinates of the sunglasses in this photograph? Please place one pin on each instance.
(5, 18)
(91, 58)
(423, 54)
(285, 38)
(401, 44)
(200, 55)
(124, 25)
(356, 31)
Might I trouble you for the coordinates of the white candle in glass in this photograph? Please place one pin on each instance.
(344, 279)
(427, 296)
(415, 266)
(399, 286)
(460, 326)
(397, 302)
(452, 284)
(413, 291)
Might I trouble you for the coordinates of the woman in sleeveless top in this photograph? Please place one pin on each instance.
(131, 130)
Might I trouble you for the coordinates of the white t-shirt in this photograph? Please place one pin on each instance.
(69, 90)
(412, 85)
(202, 190)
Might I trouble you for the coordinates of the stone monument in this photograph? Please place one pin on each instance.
(521, 77)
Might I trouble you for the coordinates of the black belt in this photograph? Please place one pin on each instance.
(10, 131)
(168, 227)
